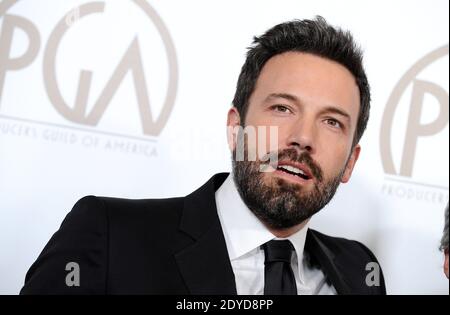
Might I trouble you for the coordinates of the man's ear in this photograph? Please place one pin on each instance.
(351, 163)
(446, 263)
(233, 124)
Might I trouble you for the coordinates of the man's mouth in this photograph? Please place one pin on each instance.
(298, 170)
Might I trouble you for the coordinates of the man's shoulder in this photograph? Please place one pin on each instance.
(131, 206)
(91, 210)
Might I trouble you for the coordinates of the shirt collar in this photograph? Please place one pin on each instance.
(242, 229)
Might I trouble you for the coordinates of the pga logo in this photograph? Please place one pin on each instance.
(91, 100)
(422, 92)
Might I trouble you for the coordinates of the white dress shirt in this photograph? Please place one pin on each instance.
(244, 234)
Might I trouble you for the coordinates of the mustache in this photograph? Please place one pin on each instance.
(304, 158)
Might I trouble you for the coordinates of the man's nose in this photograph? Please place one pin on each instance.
(302, 135)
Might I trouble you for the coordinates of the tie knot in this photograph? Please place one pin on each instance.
(278, 251)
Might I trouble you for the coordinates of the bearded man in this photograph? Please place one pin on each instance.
(245, 232)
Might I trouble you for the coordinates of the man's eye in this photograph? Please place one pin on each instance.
(281, 109)
(333, 123)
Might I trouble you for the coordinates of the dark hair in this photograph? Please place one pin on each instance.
(444, 240)
(309, 36)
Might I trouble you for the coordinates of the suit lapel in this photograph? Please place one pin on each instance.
(205, 264)
(328, 263)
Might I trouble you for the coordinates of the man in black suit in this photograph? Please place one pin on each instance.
(245, 232)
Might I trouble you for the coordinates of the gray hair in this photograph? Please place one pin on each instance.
(444, 240)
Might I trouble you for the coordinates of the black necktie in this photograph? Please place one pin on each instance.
(278, 276)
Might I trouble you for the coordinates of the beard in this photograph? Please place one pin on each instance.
(280, 204)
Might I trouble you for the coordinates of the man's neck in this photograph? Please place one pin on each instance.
(284, 233)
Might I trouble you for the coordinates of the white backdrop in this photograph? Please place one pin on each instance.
(52, 152)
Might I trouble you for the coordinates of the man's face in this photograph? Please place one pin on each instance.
(314, 103)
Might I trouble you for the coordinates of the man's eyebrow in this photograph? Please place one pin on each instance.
(286, 96)
(338, 111)
(328, 109)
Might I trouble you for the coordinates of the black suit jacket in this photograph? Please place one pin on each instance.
(168, 246)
